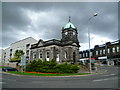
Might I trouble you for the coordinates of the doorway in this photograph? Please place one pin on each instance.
(74, 57)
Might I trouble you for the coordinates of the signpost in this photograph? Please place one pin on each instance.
(23, 62)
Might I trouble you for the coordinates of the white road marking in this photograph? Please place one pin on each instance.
(100, 80)
(112, 74)
(114, 78)
(109, 75)
(9, 79)
(2, 83)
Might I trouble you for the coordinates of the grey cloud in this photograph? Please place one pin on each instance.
(79, 12)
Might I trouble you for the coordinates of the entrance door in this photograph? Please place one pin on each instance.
(74, 57)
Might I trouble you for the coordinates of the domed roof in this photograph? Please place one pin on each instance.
(69, 24)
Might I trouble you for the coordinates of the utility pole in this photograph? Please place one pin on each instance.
(89, 40)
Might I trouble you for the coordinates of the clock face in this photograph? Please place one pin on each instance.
(73, 33)
(66, 33)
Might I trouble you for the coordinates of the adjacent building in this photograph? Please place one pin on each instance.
(108, 52)
(64, 50)
(24, 44)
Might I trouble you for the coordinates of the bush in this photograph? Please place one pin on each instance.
(51, 67)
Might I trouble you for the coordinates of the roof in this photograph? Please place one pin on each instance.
(50, 42)
(23, 40)
(68, 25)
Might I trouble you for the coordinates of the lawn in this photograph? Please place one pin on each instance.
(45, 74)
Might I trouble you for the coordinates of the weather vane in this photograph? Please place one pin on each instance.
(69, 18)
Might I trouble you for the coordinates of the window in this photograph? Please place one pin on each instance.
(65, 54)
(80, 55)
(40, 56)
(27, 46)
(118, 48)
(91, 54)
(34, 55)
(103, 51)
(108, 50)
(10, 55)
(113, 49)
(57, 57)
(86, 54)
(83, 54)
(96, 52)
(27, 52)
(100, 52)
(47, 54)
(10, 50)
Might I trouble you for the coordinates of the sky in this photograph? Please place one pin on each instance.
(44, 20)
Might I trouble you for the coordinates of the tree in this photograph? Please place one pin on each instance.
(17, 56)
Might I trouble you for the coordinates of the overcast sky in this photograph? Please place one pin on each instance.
(45, 21)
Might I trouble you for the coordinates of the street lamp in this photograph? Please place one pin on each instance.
(95, 14)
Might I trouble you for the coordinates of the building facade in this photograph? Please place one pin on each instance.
(64, 50)
(24, 44)
(109, 51)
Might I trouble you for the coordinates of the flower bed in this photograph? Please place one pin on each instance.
(40, 72)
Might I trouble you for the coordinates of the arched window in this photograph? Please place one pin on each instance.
(57, 57)
(74, 57)
(40, 55)
(113, 49)
(47, 56)
(34, 55)
(65, 54)
(117, 48)
(96, 52)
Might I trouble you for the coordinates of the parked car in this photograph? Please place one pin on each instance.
(9, 69)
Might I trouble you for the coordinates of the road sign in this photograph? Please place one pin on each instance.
(23, 61)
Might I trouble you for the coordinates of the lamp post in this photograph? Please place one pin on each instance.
(89, 39)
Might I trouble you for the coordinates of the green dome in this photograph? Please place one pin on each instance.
(68, 25)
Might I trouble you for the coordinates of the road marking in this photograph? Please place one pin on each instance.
(112, 74)
(109, 75)
(38, 82)
(115, 78)
(100, 80)
(2, 83)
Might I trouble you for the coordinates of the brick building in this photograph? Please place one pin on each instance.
(109, 51)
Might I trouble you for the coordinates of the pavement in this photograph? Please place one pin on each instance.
(99, 70)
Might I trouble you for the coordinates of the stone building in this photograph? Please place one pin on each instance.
(64, 50)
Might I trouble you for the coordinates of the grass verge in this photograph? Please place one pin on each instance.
(45, 74)
(3, 66)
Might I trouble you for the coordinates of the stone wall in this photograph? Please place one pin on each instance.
(10, 64)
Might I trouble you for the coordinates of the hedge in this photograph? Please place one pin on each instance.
(51, 67)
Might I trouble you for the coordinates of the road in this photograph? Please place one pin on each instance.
(106, 80)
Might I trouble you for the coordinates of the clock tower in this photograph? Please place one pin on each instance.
(69, 33)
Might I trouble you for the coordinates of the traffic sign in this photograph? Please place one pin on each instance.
(23, 61)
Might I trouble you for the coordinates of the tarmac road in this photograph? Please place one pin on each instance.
(105, 80)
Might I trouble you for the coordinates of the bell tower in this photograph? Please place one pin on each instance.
(69, 33)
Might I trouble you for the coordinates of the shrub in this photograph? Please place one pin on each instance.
(51, 67)
(74, 68)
